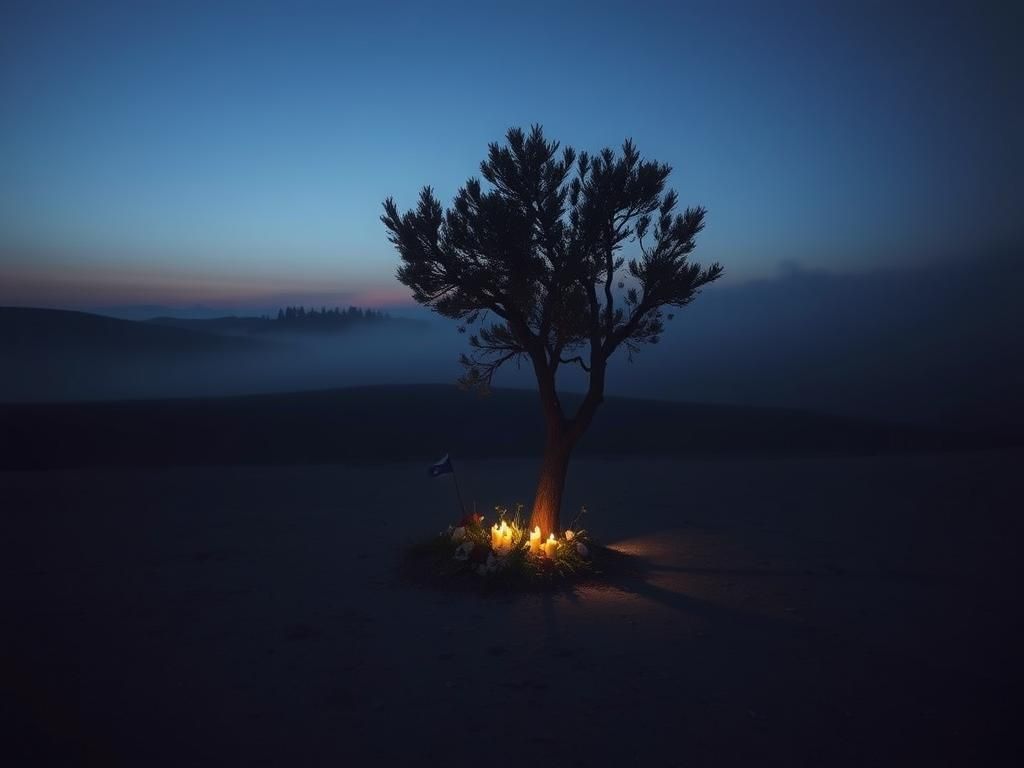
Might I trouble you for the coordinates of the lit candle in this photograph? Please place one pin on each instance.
(535, 541)
(550, 546)
(501, 538)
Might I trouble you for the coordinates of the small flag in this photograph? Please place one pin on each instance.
(443, 467)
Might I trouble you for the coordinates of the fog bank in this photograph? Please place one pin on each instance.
(938, 344)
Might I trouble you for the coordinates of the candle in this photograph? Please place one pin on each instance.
(535, 541)
(501, 538)
(550, 546)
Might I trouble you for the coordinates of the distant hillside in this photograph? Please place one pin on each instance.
(293, 320)
(57, 354)
(230, 325)
(50, 355)
(382, 424)
(27, 333)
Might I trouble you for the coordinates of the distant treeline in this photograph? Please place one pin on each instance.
(289, 320)
(296, 317)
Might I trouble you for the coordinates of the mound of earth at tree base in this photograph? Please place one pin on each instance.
(423, 564)
(504, 554)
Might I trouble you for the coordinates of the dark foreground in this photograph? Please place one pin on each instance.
(840, 611)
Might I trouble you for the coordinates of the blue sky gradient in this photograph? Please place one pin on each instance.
(236, 154)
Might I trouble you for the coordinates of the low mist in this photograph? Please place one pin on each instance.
(941, 344)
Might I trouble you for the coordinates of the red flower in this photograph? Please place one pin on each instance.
(471, 519)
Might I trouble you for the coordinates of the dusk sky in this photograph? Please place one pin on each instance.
(162, 153)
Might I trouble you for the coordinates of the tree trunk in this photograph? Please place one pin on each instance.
(548, 502)
(562, 435)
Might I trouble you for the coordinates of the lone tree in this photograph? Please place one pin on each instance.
(541, 252)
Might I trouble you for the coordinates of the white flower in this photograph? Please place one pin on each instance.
(569, 535)
(462, 553)
(582, 549)
(458, 534)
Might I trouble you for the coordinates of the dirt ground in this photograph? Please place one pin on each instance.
(834, 611)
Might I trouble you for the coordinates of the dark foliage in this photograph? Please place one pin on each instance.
(324, 318)
(541, 252)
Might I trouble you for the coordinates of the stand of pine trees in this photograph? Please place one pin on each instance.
(327, 319)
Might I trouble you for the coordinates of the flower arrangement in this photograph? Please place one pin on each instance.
(507, 552)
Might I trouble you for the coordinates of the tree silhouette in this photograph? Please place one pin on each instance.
(540, 251)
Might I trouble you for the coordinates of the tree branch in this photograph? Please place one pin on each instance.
(577, 359)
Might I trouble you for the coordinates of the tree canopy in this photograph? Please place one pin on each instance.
(541, 251)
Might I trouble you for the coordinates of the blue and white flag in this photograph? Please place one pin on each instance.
(443, 467)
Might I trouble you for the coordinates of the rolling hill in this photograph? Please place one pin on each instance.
(30, 333)
(58, 355)
(397, 423)
(255, 326)
(49, 354)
